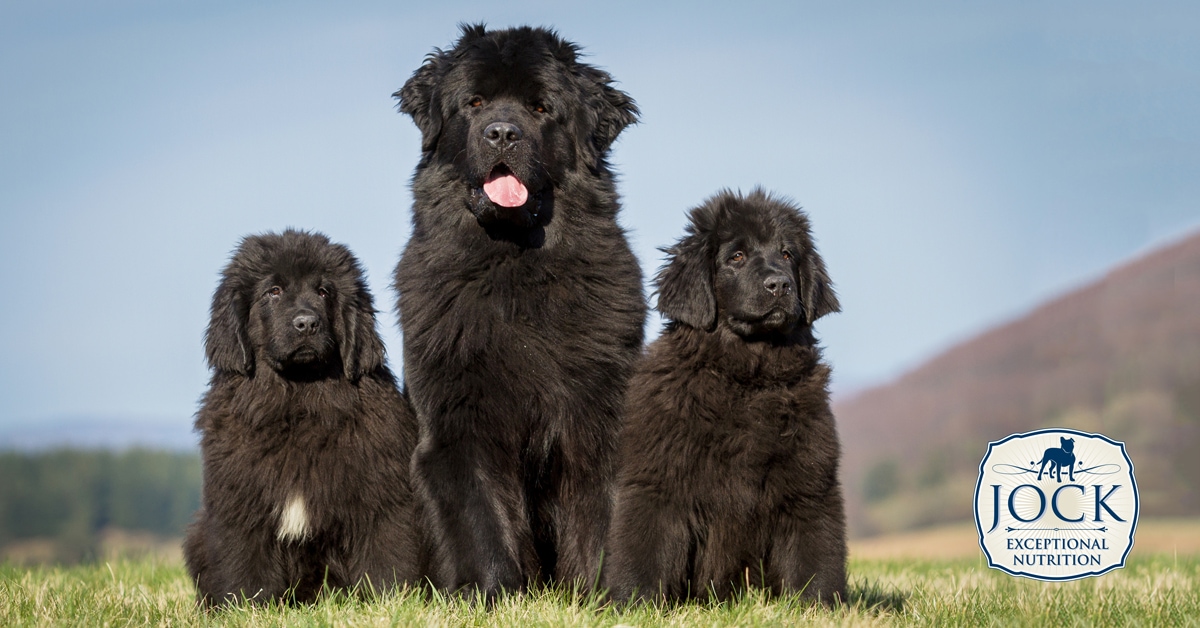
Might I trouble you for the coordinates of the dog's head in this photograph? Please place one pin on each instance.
(747, 263)
(511, 112)
(298, 303)
(1068, 444)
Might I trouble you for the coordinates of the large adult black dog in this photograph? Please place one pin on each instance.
(306, 441)
(729, 453)
(521, 305)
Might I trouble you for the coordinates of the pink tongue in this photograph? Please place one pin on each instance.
(506, 191)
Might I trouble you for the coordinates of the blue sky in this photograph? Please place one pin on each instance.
(961, 162)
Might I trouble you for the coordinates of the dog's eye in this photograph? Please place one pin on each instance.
(737, 257)
(275, 291)
(787, 255)
(539, 108)
(323, 293)
(477, 101)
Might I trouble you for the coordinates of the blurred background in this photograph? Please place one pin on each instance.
(1005, 195)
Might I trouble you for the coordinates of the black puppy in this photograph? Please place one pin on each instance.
(521, 305)
(306, 440)
(729, 454)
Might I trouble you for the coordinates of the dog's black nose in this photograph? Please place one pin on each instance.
(306, 323)
(502, 134)
(777, 284)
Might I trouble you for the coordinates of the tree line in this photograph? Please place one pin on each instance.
(70, 495)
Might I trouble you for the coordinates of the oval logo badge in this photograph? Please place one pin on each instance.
(1056, 504)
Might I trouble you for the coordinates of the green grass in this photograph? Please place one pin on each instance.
(1157, 591)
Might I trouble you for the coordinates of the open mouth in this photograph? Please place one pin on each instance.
(503, 188)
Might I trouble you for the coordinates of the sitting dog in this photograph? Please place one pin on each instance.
(728, 463)
(305, 439)
(1059, 459)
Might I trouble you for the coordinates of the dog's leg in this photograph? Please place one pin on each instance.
(475, 507)
(719, 567)
(808, 552)
(392, 554)
(195, 556)
(582, 496)
(649, 543)
(246, 567)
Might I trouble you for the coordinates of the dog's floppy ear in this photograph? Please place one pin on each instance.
(685, 292)
(361, 348)
(420, 100)
(615, 111)
(226, 341)
(606, 110)
(816, 295)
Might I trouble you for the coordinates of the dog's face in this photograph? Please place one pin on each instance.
(1068, 444)
(297, 303)
(755, 282)
(290, 322)
(748, 264)
(511, 112)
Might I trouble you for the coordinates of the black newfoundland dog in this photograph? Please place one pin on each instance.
(306, 441)
(728, 464)
(521, 306)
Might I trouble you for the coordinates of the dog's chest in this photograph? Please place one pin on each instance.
(524, 286)
(757, 440)
(294, 521)
(770, 418)
(304, 485)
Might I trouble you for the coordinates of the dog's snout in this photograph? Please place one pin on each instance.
(306, 323)
(777, 285)
(501, 135)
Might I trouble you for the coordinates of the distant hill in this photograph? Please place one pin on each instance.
(101, 433)
(1120, 356)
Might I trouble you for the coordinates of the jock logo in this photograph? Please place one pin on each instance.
(1056, 504)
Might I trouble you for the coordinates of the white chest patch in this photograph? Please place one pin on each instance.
(293, 520)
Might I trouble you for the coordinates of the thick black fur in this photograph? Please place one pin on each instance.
(728, 464)
(300, 404)
(520, 325)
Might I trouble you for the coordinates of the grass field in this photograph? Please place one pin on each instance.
(1158, 590)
